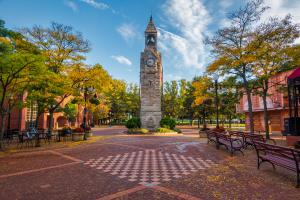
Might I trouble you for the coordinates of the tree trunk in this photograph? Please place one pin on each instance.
(37, 141)
(248, 93)
(50, 125)
(229, 121)
(3, 118)
(266, 115)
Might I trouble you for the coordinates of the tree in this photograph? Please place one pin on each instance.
(116, 97)
(188, 103)
(170, 99)
(232, 48)
(20, 62)
(98, 78)
(229, 95)
(202, 97)
(70, 111)
(271, 50)
(183, 90)
(133, 100)
(63, 49)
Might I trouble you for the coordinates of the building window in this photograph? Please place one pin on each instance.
(31, 115)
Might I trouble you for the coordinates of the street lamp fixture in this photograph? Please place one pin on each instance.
(216, 77)
(87, 91)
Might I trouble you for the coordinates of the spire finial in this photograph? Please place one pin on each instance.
(151, 17)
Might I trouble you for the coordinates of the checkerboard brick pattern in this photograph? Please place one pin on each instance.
(149, 167)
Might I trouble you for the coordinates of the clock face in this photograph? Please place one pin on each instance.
(150, 62)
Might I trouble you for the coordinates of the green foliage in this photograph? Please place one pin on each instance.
(163, 130)
(170, 99)
(133, 100)
(133, 123)
(62, 49)
(116, 97)
(70, 111)
(94, 101)
(168, 123)
(20, 64)
(138, 131)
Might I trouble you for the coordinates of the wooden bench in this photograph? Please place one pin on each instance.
(248, 138)
(232, 142)
(211, 136)
(278, 155)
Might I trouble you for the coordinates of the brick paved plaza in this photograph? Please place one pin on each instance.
(141, 167)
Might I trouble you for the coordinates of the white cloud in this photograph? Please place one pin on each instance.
(190, 18)
(71, 5)
(96, 4)
(172, 77)
(226, 3)
(281, 8)
(127, 31)
(122, 60)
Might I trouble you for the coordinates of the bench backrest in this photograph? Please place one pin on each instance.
(210, 133)
(284, 152)
(256, 137)
(223, 136)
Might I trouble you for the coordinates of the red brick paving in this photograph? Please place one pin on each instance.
(30, 161)
(62, 174)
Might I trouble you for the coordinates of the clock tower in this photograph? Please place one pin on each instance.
(151, 80)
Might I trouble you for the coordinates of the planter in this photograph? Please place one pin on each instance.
(202, 134)
(77, 137)
(88, 134)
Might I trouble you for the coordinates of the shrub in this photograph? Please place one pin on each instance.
(177, 130)
(168, 123)
(133, 123)
(88, 128)
(78, 130)
(138, 131)
(164, 130)
(66, 130)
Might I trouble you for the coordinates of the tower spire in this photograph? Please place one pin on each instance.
(151, 27)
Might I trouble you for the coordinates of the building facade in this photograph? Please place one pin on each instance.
(151, 80)
(277, 103)
(24, 118)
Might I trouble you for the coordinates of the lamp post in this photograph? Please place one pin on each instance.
(216, 77)
(87, 91)
(85, 108)
(9, 112)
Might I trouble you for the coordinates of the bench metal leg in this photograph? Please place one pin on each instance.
(266, 161)
(241, 151)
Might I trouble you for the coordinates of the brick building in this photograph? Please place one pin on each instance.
(277, 103)
(24, 118)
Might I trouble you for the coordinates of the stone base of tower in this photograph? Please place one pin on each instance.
(150, 120)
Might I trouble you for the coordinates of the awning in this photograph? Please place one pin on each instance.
(295, 74)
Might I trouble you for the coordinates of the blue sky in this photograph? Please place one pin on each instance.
(115, 28)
